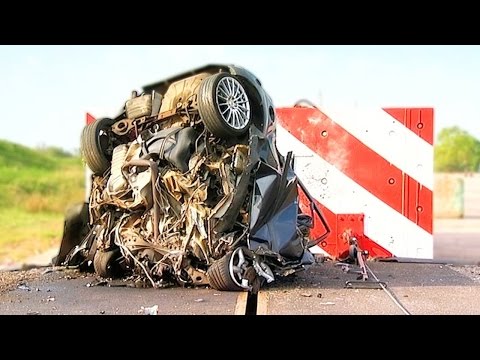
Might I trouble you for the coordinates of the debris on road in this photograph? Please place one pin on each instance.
(199, 300)
(153, 310)
(53, 269)
(11, 279)
(470, 271)
(23, 287)
(306, 294)
(97, 283)
(50, 298)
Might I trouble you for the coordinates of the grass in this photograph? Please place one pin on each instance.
(36, 187)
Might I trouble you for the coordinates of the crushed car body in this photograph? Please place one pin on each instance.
(188, 188)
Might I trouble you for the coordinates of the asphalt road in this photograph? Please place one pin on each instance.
(433, 289)
(422, 289)
(71, 293)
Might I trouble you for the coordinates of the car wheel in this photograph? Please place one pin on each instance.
(106, 264)
(224, 106)
(226, 274)
(94, 143)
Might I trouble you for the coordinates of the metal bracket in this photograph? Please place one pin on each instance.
(359, 256)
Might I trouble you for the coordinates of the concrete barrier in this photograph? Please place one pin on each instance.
(448, 201)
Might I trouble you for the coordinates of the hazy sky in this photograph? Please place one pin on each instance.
(45, 91)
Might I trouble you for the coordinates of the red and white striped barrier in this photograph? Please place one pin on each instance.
(371, 172)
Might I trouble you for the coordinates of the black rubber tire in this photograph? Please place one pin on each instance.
(208, 109)
(92, 149)
(104, 263)
(218, 275)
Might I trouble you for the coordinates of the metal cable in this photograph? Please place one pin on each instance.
(389, 293)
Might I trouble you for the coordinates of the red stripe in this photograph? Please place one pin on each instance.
(418, 120)
(90, 119)
(360, 163)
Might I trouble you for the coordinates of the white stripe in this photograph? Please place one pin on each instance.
(389, 138)
(340, 194)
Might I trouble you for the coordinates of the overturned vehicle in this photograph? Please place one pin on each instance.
(188, 187)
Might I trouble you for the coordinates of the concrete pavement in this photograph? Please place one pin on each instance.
(422, 289)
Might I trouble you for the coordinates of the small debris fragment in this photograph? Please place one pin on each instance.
(24, 287)
(46, 271)
(48, 290)
(405, 295)
(50, 298)
(327, 303)
(98, 283)
(153, 310)
(199, 300)
(33, 313)
(319, 295)
(37, 289)
(102, 312)
(215, 294)
(306, 294)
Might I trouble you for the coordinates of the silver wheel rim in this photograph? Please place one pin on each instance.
(237, 267)
(233, 103)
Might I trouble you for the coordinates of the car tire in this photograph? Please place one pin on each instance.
(224, 106)
(219, 277)
(93, 145)
(105, 263)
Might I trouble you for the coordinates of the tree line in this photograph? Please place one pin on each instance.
(455, 150)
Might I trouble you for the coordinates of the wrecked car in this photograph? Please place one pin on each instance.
(188, 187)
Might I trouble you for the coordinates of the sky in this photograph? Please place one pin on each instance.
(45, 91)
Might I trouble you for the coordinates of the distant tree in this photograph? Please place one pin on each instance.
(456, 151)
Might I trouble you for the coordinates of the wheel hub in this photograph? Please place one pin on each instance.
(233, 103)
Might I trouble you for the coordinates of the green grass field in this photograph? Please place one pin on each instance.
(36, 187)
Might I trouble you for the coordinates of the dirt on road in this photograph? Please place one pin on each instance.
(10, 280)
